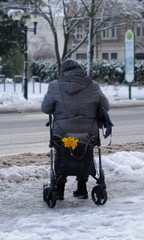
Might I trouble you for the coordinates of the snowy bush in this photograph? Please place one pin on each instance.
(111, 72)
(47, 70)
(139, 72)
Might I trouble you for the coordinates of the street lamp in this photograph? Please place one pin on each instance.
(17, 15)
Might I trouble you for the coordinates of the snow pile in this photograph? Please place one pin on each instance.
(16, 102)
(125, 163)
(19, 174)
(121, 164)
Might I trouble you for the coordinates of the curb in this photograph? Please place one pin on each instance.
(15, 110)
(113, 104)
(127, 103)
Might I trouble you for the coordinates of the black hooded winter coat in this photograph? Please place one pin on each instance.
(74, 99)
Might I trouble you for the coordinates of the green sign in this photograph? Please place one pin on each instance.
(129, 35)
(129, 56)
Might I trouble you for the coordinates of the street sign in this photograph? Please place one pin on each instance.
(129, 56)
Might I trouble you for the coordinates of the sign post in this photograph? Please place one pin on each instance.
(129, 58)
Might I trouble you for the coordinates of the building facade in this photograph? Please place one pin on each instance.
(110, 43)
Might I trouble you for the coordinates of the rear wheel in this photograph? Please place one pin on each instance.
(51, 199)
(45, 191)
(49, 195)
(99, 196)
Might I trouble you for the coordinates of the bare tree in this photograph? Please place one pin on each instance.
(50, 9)
(72, 17)
(95, 12)
(101, 11)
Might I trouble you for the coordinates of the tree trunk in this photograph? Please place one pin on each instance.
(90, 50)
(57, 50)
(65, 49)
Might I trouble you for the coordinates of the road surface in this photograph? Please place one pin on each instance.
(26, 132)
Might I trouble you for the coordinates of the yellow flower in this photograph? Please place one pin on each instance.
(70, 142)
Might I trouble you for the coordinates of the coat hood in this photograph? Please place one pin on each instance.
(74, 81)
(70, 65)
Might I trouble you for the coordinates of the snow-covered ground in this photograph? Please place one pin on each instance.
(14, 101)
(24, 215)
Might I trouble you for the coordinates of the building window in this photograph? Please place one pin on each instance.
(110, 31)
(114, 31)
(140, 30)
(105, 56)
(143, 31)
(114, 56)
(105, 31)
(81, 56)
(139, 56)
(79, 32)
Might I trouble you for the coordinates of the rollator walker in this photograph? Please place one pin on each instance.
(80, 161)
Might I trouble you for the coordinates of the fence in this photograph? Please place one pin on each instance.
(18, 79)
(34, 78)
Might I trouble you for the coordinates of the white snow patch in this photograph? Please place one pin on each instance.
(120, 218)
(120, 163)
(19, 174)
(125, 163)
(11, 100)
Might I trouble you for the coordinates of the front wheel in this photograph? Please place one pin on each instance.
(99, 196)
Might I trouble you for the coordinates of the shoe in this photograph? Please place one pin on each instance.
(60, 191)
(58, 197)
(79, 195)
(81, 191)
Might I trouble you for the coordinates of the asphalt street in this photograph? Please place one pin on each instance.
(26, 132)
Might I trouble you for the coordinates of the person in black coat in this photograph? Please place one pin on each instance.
(73, 99)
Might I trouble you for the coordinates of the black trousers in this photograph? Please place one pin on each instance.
(58, 159)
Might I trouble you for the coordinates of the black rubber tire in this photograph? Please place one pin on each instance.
(45, 191)
(99, 196)
(51, 200)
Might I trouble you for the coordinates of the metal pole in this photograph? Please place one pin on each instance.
(25, 64)
(129, 91)
(40, 84)
(4, 84)
(33, 84)
(14, 80)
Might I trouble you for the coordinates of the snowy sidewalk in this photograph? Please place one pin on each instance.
(11, 102)
(34, 106)
(24, 215)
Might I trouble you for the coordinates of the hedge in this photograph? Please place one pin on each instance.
(103, 71)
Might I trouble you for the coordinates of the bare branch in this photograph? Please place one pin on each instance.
(72, 27)
(75, 48)
(86, 8)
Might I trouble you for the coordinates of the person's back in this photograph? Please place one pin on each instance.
(73, 99)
